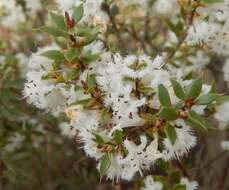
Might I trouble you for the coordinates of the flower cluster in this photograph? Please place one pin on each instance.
(11, 13)
(130, 110)
(127, 111)
(210, 28)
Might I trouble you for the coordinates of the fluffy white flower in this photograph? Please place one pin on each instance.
(142, 3)
(82, 118)
(141, 157)
(14, 142)
(110, 78)
(42, 93)
(116, 169)
(150, 184)
(184, 142)
(38, 62)
(14, 14)
(167, 7)
(126, 110)
(67, 130)
(89, 146)
(22, 62)
(222, 115)
(199, 61)
(201, 31)
(33, 6)
(189, 185)
(211, 32)
(42, 90)
(65, 5)
(225, 145)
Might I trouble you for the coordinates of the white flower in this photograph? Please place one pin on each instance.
(150, 184)
(82, 118)
(213, 32)
(199, 60)
(167, 7)
(14, 142)
(201, 31)
(184, 142)
(141, 157)
(125, 110)
(33, 6)
(38, 62)
(67, 130)
(225, 145)
(89, 146)
(65, 5)
(14, 14)
(189, 185)
(22, 62)
(142, 3)
(116, 169)
(222, 115)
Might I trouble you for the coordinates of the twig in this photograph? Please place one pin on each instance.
(212, 161)
(189, 22)
(106, 8)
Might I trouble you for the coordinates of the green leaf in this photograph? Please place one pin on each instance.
(188, 76)
(105, 164)
(213, 87)
(162, 179)
(89, 34)
(206, 99)
(82, 102)
(194, 89)
(203, 120)
(86, 31)
(164, 95)
(148, 117)
(87, 59)
(54, 31)
(176, 28)
(168, 113)
(175, 176)
(178, 90)
(73, 74)
(171, 133)
(91, 81)
(146, 90)
(98, 139)
(78, 13)
(58, 20)
(163, 165)
(71, 54)
(105, 116)
(222, 99)
(118, 136)
(178, 105)
(90, 39)
(53, 54)
(196, 121)
(212, 1)
(179, 187)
